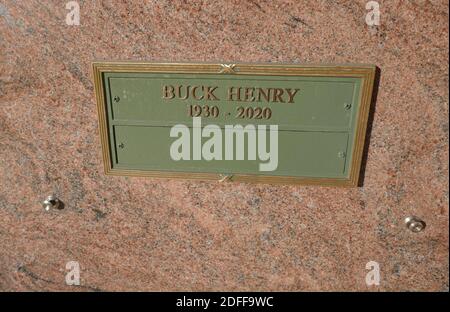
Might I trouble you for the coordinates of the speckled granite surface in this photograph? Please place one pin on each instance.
(148, 234)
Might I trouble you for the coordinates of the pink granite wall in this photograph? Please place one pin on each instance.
(149, 234)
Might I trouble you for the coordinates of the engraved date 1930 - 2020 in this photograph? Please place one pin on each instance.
(233, 94)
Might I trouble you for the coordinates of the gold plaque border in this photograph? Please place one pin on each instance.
(365, 72)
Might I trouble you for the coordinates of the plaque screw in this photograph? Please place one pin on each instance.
(51, 202)
(341, 155)
(347, 105)
(121, 145)
(414, 224)
(116, 99)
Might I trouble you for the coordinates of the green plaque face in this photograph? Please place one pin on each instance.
(234, 122)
